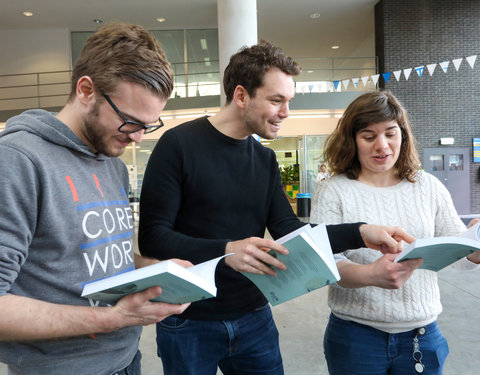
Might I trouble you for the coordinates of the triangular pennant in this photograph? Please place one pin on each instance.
(397, 73)
(335, 84)
(444, 65)
(471, 60)
(365, 80)
(457, 63)
(345, 83)
(386, 76)
(375, 78)
(406, 73)
(419, 70)
(329, 85)
(355, 81)
(310, 88)
(431, 68)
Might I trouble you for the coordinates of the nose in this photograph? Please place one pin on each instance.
(137, 136)
(381, 142)
(284, 110)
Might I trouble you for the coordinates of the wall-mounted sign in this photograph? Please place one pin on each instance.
(476, 150)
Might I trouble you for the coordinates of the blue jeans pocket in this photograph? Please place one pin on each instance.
(173, 322)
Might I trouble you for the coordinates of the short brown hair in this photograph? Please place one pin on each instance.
(120, 51)
(340, 150)
(248, 67)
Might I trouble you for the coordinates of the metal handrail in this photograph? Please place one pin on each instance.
(26, 90)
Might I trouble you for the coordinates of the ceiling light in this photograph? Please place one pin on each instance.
(203, 42)
(315, 15)
(27, 13)
(335, 47)
(160, 19)
(97, 20)
(309, 71)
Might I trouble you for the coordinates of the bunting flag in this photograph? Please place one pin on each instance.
(431, 68)
(406, 73)
(471, 60)
(457, 62)
(444, 65)
(419, 70)
(386, 76)
(310, 88)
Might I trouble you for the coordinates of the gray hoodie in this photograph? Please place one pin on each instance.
(65, 220)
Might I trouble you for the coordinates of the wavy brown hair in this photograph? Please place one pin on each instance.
(123, 52)
(340, 150)
(248, 67)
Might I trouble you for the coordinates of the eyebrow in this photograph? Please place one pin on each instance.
(365, 130)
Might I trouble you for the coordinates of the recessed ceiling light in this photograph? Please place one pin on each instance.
(309, 71)
(27, 13)
(315, 15)
(160, 19)
(335, 47)
(97, 20)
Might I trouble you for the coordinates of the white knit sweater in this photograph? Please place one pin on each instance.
(424, 209)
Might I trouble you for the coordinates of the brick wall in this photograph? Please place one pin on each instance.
(410, 33)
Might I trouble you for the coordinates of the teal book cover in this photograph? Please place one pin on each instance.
(310, 265)
(439, 252)
(179, 285)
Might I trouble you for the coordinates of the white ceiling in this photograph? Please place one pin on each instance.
(287, 23)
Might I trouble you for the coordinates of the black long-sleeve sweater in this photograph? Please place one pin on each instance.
(202, 189)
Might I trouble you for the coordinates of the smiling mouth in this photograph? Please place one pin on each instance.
(381, 157)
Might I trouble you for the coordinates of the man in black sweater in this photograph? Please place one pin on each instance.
(211, 189)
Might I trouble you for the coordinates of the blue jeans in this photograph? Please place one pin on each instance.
(134, 368)
(247, 345)
(357, 349)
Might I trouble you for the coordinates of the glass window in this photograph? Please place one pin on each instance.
(455, 162)
(436, 162)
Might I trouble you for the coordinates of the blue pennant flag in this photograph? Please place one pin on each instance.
(335, 84)
(386, 76)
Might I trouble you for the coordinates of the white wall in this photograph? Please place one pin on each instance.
(32, 51)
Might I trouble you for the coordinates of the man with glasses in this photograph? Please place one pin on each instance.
(211, 189)
(66, 220)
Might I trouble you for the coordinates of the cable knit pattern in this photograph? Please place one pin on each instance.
(424, 208)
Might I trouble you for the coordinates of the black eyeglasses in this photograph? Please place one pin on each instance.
(130, 126)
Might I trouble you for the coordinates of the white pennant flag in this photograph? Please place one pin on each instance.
(406, 73)
(471, 60)
(345, 83)
(355, 81)
(419, 70)
(431, 68)
(375, 78)
(329, 85)
(444, 65)
(397, 74)
(457, 63)
(365, 80)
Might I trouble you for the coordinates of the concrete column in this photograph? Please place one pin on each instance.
(237, 27)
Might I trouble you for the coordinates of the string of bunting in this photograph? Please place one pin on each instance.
(444, 65)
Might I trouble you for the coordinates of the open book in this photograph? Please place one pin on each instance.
(310, 265)
(179, 284)
(439, 252)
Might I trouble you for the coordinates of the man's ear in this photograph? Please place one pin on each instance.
(85, 89)
(240, 97)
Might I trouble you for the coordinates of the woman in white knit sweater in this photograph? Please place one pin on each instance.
(381, 309)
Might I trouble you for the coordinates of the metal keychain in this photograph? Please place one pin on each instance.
(417, 354)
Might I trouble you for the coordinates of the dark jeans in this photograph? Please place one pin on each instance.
(247, 345)
(357, 349)
(134, 368)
